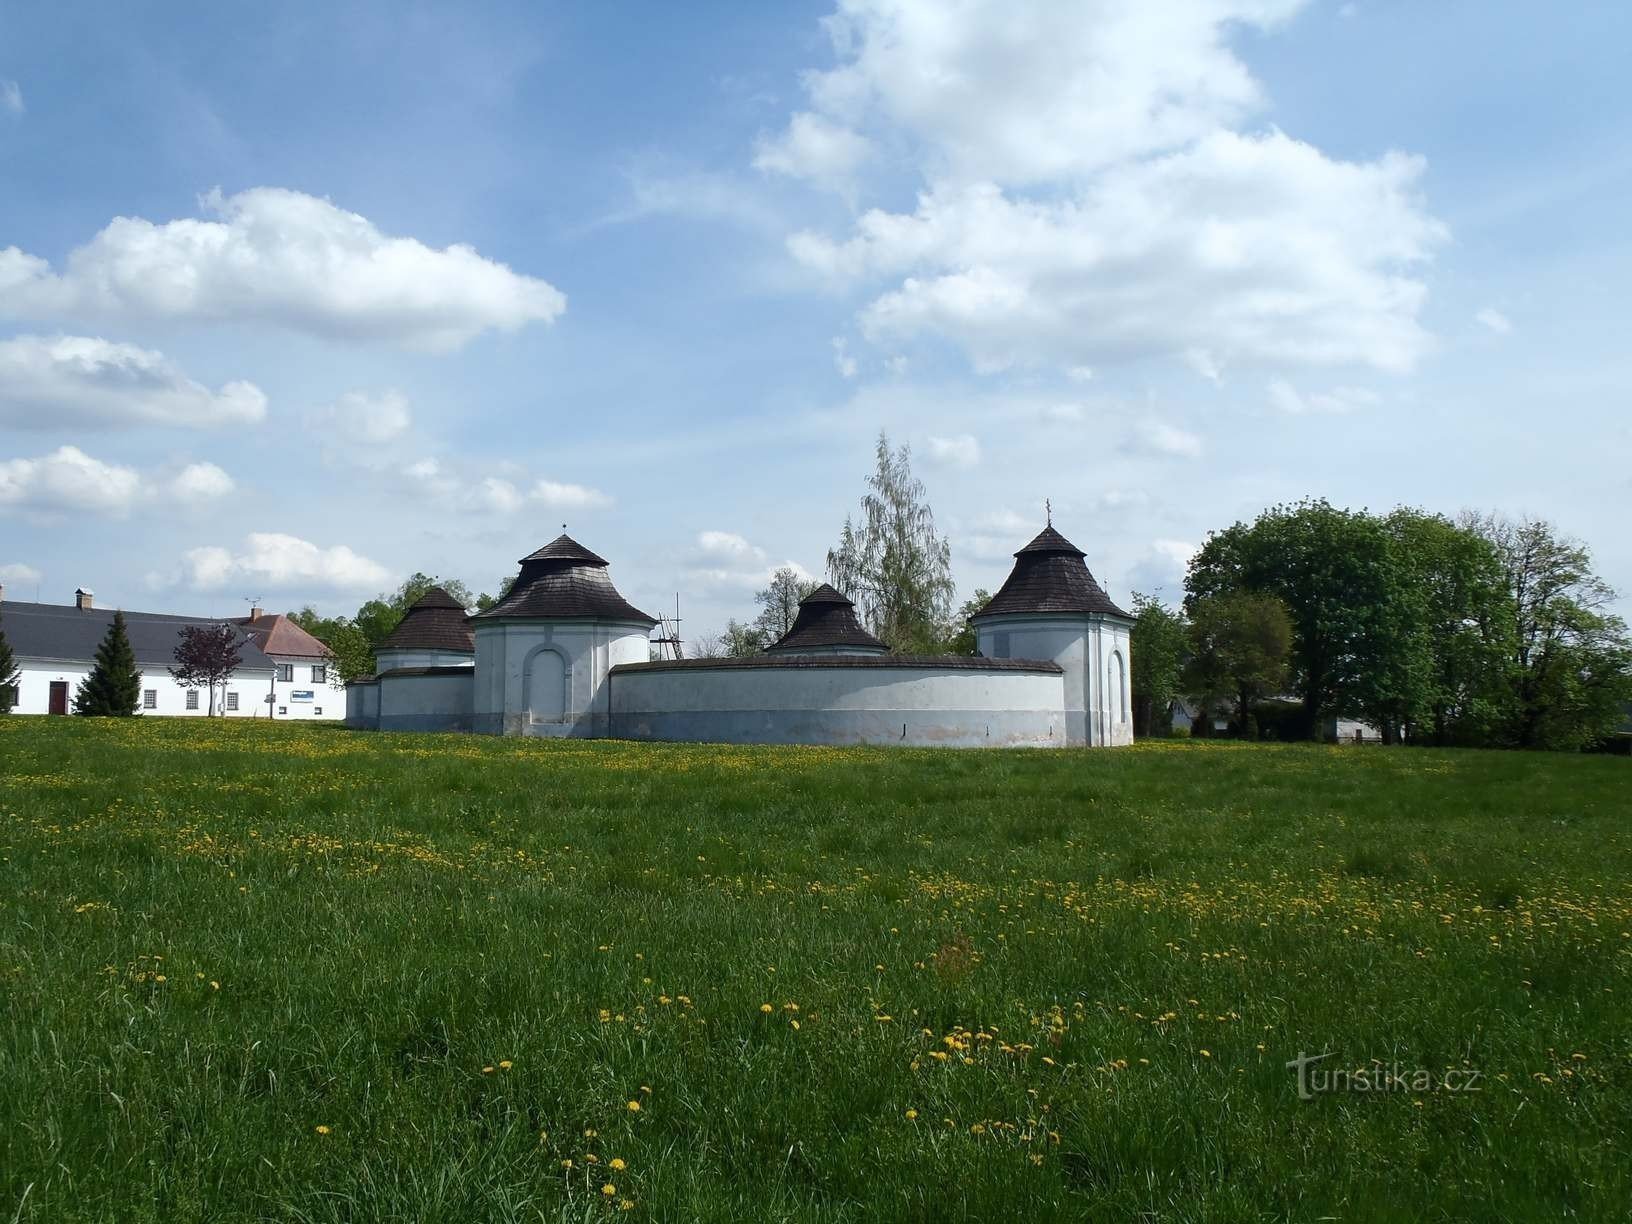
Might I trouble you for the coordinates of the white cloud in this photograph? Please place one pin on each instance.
(1337, 401)
(1495, 320)
(18, 574)
(1161, 569)
(814, 148)
(842, 360)
(275, 560)
(495, 494)
(723, 561)
(279, 256)
(199, 483)
(1160, 438)
(68, 481)
(1080, 373)
(11, 97)
(959, 451)
(50, 382)
(368, 418)
(1086, 197)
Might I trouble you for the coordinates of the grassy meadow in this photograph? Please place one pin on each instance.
(256, 972)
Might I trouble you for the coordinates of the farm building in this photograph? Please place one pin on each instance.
(564, 654)
(286, 673)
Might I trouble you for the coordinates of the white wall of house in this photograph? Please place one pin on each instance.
(168, 697)
(300, 696)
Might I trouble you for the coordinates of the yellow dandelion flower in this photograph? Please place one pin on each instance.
(566, 1164)
(766, 1008)
(1206, 1053)
(795, 1024)
(214, 985)
(322, 1130)
(912, 1115)
(625, 1204)
(505, 1064)
(609, 1189)
(487, 1070)
(1036, 1158)
(634, 1107)
(616, 1163)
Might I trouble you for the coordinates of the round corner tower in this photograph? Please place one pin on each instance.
(543, 651)
(1050, 607)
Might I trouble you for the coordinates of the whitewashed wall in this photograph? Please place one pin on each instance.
(34, 690)
(547, 678)
(813, 704)
(1095, 653)
(439, 701)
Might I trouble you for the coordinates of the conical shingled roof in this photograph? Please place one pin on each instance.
(1049, 576)
(436, 621)
(564, 579)
(826, 619)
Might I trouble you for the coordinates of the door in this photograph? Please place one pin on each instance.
(59, 697)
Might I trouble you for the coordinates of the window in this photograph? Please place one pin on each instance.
(318, 710)
(285, 672)
(192, 699)
(8, 697)
(283, 709)
(320, 673)
(150, 699)
(232, 701)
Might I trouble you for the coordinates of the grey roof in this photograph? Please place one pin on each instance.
(1049, 575)
(62, 631)
(437, 621)
(912, 662)
(826, 618)
(565, 580)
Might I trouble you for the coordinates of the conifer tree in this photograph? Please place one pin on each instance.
(9, 673)
(115, 684)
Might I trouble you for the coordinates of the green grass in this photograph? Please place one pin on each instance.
(219, 937)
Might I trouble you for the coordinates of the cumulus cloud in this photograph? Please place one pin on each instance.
(68, 481)
(274, 560)
(367, 418)
(278, 256)
(1337, 401)
(814, 148)
(458, 490)
(1495, 320)
(958, 451)
(1087, 196)
(1161, 569)
(1160, 438)
(50, 382)
(842, 360)
(724, 561)
(11, 97)
(18, 574)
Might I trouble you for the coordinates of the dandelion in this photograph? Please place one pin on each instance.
(214, 985)
(487, 1070)
(505, 1064)
(912, 1115)
(1206, 1053)
(616, 1164)
(634, 1106)
(566, 1164)
(625, 1204)
(609, 1189)
(320, 1129)
(766, 1008)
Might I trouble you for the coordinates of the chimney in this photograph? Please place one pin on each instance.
(83, 599)
(254, 612)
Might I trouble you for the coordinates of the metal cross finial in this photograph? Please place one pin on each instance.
(1048, 511)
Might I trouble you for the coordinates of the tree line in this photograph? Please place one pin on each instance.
(1482, 631)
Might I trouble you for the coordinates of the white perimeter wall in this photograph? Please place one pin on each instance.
(951, 707)
(390, 660)
(424, 703)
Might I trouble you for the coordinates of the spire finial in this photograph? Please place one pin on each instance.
(1048, 511)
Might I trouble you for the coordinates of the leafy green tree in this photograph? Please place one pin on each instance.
(892, 562)
(959, 637)
(206, 656)
(1159, 645)
(1240, 647)
(485, 601)
(114, 686)
(353, 656)
(1570, 670)
(10, 675)
(380, 615)
(739, 640)
(1347, 599)
(779, 603)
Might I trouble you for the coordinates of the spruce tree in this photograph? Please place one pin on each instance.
(114, 686)
(9, 674)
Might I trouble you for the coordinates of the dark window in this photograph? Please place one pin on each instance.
(232, 701)
(318, 710)
(192, 699)
(286, 672)
(150, 699)
(283, 709)
(320, 673)
(9, 691)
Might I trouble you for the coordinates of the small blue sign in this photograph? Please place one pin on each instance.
(301, 695)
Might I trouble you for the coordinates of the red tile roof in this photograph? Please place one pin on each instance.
(278, 635)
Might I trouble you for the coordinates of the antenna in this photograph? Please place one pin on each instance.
(1048, 511)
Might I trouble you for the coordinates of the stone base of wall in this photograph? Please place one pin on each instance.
(903, 728)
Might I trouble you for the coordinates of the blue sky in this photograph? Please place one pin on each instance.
(407, 287)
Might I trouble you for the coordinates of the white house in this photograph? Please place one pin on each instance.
(55, 647)
(305, 682)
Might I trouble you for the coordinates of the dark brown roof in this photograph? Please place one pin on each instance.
(1049, 575)
(826, 618)
(276, 634)
(565, 579)
(437, 621)
(912, 662)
